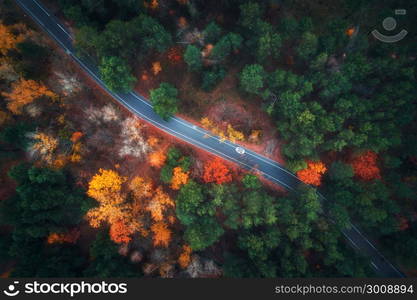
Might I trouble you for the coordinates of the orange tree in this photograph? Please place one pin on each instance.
(24, 92)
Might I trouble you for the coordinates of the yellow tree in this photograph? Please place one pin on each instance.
(234, 135)
(106, 186)
(24, 92)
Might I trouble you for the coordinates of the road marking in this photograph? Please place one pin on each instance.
(46, 12)
(377, 251)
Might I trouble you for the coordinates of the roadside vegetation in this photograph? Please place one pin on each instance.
(87, 189)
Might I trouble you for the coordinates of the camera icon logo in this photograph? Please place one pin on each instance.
(390, 24)
(11, 290)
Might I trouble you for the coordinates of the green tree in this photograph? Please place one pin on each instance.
(34, 209)
(153, 34)
(269, 45)
(164, 100)
(203, 233)
(118, 39)
(85, 40)
(212, 32)
(198, 215)
(259, 246)
(224, 47)
(190, 204)
(16, 135)
(212, 77)
(258, 209)
(116, 74)
(250, 14)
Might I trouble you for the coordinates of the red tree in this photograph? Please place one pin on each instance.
(216, 171)
(365, 166)
(312, 175)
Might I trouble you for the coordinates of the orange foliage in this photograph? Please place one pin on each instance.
(161, 234)
(350, 31)
(179, 178)
(232, 134)
(174, 55)
(159, 203)
(76, 136)
(312, 175)
(365, 166)
(70, 237)
(120, 233)
(60, 161)
(144, 76)
(156, 67)
(7, 39)
(24, 92)
(153, 141)
(216, 171)
(157, 159)
(45, 145)
(185, 257)
(141, 187)
(105, 185)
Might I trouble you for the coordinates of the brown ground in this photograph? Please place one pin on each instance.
(223, 105)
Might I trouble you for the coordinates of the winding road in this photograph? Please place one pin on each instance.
(199, 137)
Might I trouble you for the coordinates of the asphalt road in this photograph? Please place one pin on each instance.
(199, 137)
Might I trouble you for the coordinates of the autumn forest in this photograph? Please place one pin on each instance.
(88, 189)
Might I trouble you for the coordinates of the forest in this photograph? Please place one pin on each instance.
(89, 190)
